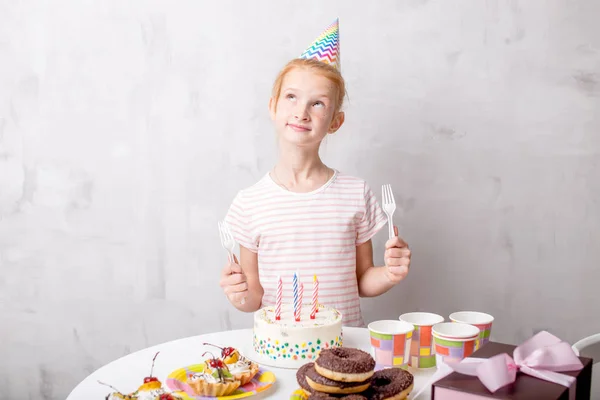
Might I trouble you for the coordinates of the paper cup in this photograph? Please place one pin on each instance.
(422, 350)
(390, 340)
(481, 320)
(453, 341)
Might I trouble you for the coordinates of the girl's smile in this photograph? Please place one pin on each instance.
(298, 128)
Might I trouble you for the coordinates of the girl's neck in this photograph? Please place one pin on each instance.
(300, 171)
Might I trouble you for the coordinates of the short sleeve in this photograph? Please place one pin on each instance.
(373, 218)
(239, 223)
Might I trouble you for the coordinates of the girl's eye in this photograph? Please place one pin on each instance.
(290, 97)
(319, 104)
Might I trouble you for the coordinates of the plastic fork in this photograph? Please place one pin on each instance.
(228, 243)
(227, 240)
(389, 206)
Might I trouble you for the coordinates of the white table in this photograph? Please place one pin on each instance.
(127, 373)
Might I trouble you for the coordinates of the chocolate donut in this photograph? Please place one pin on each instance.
(345, 364)
(390, 384)
(301, 377)
(323, 384)
(325, 396)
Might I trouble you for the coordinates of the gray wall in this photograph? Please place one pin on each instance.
(127, 127)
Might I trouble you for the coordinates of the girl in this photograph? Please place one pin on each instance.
(304, 216)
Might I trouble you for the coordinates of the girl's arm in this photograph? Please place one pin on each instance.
(374, 281)
(241, 281)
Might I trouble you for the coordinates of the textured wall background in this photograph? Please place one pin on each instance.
(126, 127)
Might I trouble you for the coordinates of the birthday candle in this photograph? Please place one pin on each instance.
(313, 310)
(295, 288)
(279, 298)
(300, 301)
(317, 290)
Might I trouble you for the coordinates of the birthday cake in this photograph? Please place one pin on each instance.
(290, 343)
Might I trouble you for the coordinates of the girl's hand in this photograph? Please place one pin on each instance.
(234, 283)
(397, 258)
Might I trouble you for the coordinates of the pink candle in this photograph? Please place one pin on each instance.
(313, 309)
(317, 289)
(279, 299)
(300, 301)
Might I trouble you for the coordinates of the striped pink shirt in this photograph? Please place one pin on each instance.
(314, 233)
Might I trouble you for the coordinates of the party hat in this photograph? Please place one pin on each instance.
(326, 47)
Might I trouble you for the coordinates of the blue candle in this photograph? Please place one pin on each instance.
(295, 286)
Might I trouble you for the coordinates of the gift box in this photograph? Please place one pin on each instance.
(466, 387)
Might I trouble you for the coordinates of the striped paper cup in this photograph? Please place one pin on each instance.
(390, 341)
(481, 320)
(453, 341)
(422, 349)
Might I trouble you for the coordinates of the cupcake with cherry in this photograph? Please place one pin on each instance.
(239, 366)
(151, 389)
(222, 375)
(215, 380)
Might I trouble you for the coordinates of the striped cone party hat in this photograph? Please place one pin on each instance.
(326, 47)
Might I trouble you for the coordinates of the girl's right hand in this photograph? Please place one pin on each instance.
(234, 283)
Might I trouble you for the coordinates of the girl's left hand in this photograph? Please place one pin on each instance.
(397, 258)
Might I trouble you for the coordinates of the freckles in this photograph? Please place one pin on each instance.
(321, 116)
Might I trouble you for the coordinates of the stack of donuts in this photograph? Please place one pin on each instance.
(349, 374)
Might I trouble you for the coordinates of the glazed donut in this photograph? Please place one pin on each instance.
(325, 385)
(390, 384)
(345, 364)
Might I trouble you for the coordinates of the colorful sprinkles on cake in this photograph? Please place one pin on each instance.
(275, 350)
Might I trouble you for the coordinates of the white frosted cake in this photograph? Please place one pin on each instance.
(289, 344)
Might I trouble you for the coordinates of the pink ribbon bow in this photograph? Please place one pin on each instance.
(542, 356)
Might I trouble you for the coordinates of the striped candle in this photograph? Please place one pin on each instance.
(279, 298)
(317, 289)
(300, 301)
(313, 310)
(295, 288)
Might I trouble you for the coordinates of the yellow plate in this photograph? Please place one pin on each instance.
(177, 382)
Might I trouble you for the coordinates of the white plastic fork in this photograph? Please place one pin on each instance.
(228, 243)
(227, 240)
(389, 206)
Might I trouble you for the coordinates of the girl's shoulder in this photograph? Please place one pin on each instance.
(261, 188)
(351, 180)
(347, 177)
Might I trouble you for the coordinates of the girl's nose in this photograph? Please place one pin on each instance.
(301, 113)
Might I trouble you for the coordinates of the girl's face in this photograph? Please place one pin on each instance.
(304, 112)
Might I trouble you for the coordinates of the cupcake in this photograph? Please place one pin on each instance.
(243, 370)
(239, 366)
(151, 389)
(214, 381)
